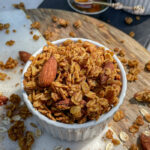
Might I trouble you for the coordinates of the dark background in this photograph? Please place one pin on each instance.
(113, 17)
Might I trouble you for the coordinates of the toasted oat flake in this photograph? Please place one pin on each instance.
(124, 136)
(38, 133)
(6, 121)
(109, 146)
(16, 118)
(58, 148)
(33, 125)
(3, 129)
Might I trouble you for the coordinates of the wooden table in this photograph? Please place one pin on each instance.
(111, 38)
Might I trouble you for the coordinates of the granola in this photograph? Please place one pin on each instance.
(35, 25)
(86, 84)
(119, 115)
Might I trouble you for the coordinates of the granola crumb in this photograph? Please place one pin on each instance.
(31, 32)
(67, 148)
(35, 25)
(6, 26)
(10, 43)
(19, 6)
(147, 66)
(3, 76)
(138, 18)
(147, 117)
(72, 34)
(7, 31)
(14, 30)
(109, 134)
(47, 34)
(16, 84)
(1, 26)
(21, 70)
(119, 115)
(132, 34)
(134, 128)
(33, 125)
(116, 49)
(62, 22)
(54, 19)
(101, 25)
(122, 41)
(121, 53)
(133, 147)
(35, 37)
(115, 142)
(128, 20)
(28, 17)
(139, 121)
(77, 24)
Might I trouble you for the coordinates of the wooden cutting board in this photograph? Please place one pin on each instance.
(111, 38)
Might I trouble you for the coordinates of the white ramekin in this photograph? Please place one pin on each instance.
(144, 3)
(87, 13)
(75, 132)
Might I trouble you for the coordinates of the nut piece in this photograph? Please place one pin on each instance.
(109, 146)
(145, 141)
(118, 115)
(48, 72)
(124, 136)
(24, 56)
(3, 100)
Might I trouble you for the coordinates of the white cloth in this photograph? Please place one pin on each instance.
(29, 4)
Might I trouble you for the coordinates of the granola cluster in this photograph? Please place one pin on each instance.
(136, 124)
(17, 114)
(10, 64)
(131, 65)
(87, 83)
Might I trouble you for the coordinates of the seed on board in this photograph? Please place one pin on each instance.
(124, 136)
(3, 129)
(16, 117)
(109, 146)
(38, 133)
(143, 111)
(58, 148)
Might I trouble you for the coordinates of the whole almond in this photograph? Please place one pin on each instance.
(3, 99)
(24, 56)
(48, 72)
(145, 141)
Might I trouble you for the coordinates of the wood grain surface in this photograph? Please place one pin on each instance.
(110, 37)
